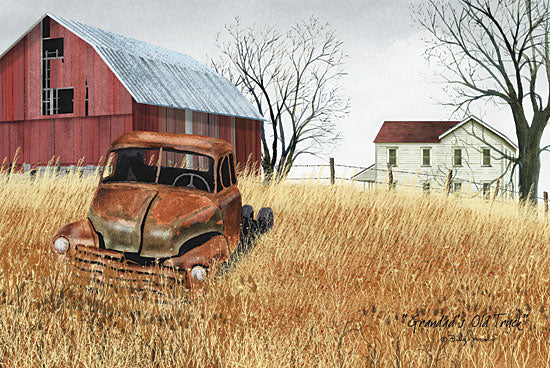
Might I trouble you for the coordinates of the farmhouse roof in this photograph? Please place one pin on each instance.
(427, 131)
(413, 131)
(482, 123)
(157, 76)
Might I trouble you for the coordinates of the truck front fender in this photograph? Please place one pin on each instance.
(78, 233)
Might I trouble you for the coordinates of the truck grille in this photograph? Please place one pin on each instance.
(106, 266)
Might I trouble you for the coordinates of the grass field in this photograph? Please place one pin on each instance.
(345, 279)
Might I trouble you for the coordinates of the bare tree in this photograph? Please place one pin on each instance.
(499, 51)
(294, 80)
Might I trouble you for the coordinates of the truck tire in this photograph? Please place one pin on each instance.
(248, 212)
(265, 219)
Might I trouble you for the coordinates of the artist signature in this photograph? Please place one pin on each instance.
(469, 337)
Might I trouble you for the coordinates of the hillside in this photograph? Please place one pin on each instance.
(346, 278)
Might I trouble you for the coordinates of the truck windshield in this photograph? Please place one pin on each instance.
(176, 168)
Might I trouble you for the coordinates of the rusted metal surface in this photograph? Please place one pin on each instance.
(80, 232)
(214, 251)
(107, 266)
(230, 203)
(175, 218)
(185, 142)
(132, 225)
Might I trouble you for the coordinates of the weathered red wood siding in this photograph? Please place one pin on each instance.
(248, 142)
(86, 138)
(69, 136)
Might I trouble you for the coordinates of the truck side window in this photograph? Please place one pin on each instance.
(232, 165)
(219, 186)
(224, 178)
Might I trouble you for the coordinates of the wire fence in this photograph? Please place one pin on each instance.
(504, 189)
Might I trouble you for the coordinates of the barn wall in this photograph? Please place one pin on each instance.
(111, 112)
(248, 142)
(20, 79)
(86, 138)
(243, 134)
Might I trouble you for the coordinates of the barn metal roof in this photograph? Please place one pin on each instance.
(157, 76)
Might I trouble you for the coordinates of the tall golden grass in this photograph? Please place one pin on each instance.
(330, 285)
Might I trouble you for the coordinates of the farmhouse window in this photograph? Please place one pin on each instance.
(486, 189)
(392, 156)
(486, 157)
(457, 186)
(457, 160)
(426, 159)
(53, 48)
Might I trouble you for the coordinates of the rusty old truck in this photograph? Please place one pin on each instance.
(167, 210)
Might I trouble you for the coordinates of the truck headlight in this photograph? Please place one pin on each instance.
(61, 244)
(198, 273)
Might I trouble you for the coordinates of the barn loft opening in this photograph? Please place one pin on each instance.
(65, 98)
(58, 101)
(53, 48)
(46, 27)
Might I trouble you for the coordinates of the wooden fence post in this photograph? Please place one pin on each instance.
(448, 182)
(497, 185)
(545, 203)
(331, 160)
(390, 177)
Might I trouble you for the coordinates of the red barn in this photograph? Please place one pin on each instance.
(68, 90)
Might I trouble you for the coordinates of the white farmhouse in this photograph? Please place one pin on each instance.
(425, 151)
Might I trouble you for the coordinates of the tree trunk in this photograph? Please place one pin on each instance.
(529, 171)
(268, 170)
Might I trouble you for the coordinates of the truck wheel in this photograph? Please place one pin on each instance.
(265, 219)
(248, 212)
(248, 223)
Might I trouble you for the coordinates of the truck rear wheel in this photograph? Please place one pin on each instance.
(265, 219)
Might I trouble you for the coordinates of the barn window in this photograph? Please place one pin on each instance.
(46, 27)
(48, 98)
(53, 48)
(46, 74)
(65, 97)
(58, 101)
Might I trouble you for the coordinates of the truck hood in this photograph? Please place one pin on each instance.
(149, 220)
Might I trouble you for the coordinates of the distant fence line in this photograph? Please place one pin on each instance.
(91, 169)
(331, 165)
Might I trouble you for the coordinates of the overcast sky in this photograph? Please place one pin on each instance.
(388, 79)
